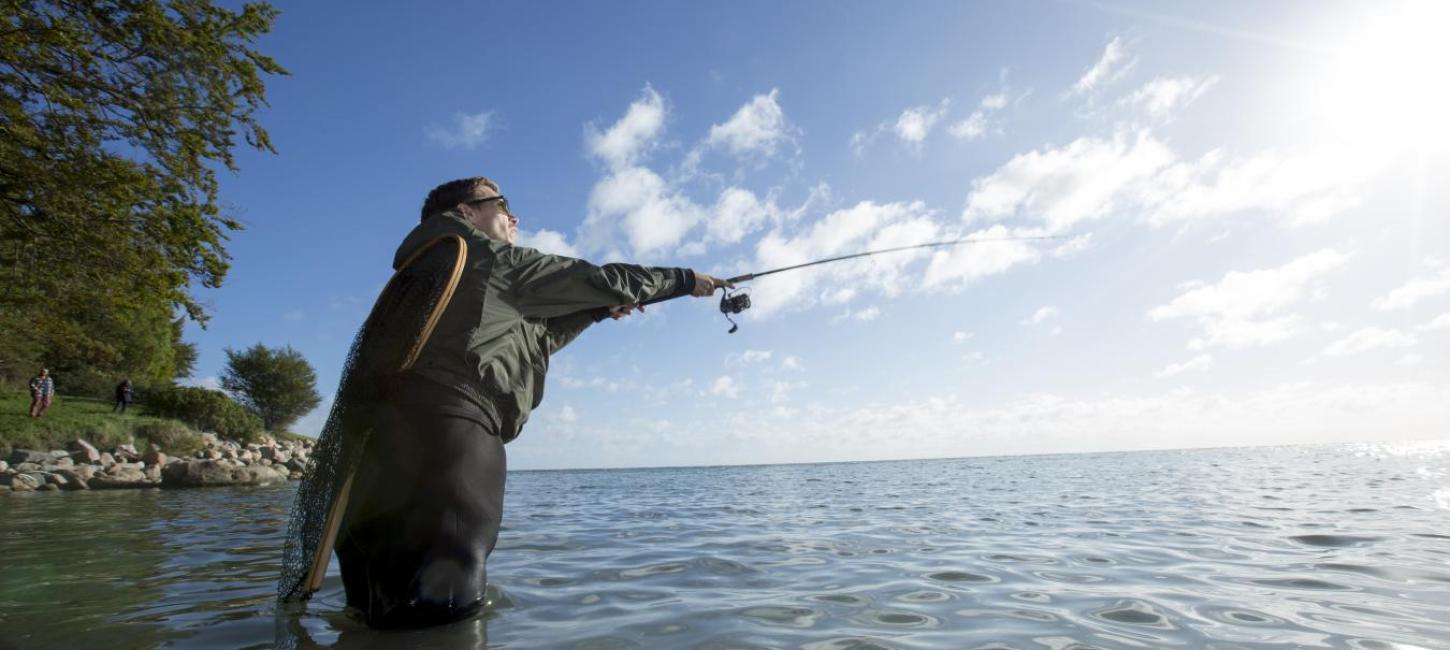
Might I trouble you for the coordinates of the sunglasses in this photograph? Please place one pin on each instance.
(503, 203)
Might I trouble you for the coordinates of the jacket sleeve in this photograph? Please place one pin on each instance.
(563, 329)
(549, 286)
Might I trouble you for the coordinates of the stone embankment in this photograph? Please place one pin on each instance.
(219, 462)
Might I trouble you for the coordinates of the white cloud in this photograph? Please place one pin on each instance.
(466, 132)
(1240, 310)
(626, 140)
(567, 415)
(914, 124)
(1414, 292)
(1160, 97)
(1114, 63)
(724, 386)
(1370, 338)
(1410, 360)
(962, 337)
(1198, 363)
(1060, 187)
(790, 363)
(960, 265)
(292, 316)
(1042, 314)
(911, 127)
(547, 241)
(1139, 176)
(652, 215)
(737, 213)
(756, 128)
(978, 123)
(865, 226)
(1441, 322)
(867, 314)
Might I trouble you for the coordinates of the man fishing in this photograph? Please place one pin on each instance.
(427, 495)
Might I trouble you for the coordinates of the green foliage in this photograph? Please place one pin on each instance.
(114, 117)
(205, 410)
(276, 384)
(170, 436)
(70, 418)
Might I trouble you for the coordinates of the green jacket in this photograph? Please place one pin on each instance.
(515, 306)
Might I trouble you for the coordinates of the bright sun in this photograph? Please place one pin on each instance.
(1385, 86)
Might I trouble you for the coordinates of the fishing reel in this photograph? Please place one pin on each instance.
(734, 302)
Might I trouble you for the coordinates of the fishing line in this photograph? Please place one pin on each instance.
(738, 300)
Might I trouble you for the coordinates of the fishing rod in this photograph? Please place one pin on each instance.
(738, 300)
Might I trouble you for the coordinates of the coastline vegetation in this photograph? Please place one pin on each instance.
(74, 417)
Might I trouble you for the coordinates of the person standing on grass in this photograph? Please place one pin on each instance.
(124, 395)
(41, 390)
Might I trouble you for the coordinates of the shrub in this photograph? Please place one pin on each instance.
(206, 410)
(171, 437)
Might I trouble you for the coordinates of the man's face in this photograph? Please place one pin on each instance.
(492, 218)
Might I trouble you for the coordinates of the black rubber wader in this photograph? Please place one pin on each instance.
(423, 517)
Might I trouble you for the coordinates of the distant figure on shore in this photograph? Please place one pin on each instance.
(124, 394)
(41, 390)
(427, 496)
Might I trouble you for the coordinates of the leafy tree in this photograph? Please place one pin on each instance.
(114, 117)
(276, 384)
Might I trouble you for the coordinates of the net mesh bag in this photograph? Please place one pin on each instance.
(389, 340)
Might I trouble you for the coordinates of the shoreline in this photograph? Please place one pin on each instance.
(81, 466)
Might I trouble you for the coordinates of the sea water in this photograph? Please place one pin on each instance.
(1344, 546)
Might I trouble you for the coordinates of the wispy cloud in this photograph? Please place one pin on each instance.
(465, 132)
(1139, 177)
(979, 123)
(725, 386)
(1370, 338)
(911, 127)
(1244, 308)
(1160, 97)
(1414, 292)
(1199, 363)
(1113, 64)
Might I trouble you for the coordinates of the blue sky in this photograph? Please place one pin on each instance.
(1251, 198)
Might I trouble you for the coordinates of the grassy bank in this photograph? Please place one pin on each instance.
(91, 420)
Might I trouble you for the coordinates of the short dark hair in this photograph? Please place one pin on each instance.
(454, 192)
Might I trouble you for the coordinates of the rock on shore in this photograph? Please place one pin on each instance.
(219, 462)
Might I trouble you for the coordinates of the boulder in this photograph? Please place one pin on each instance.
(24, 483)
(48, 487)
(55, 479)
(64, 462)
(269, 452)
(4, 466)
(74, 480)
(83, 452)
(122, 478)
(59, 453)
(107, 460)
(297, 465)
(20, 456)
(28, 467)
(154, 457)
(208, 473)
(208, 438)
(127, 452)
(153, 473)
